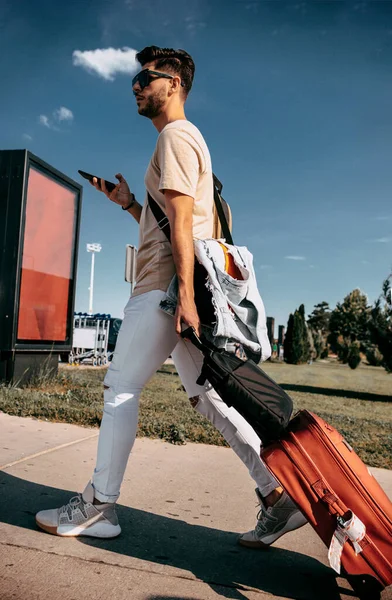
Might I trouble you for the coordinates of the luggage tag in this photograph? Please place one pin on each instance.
(351, 529)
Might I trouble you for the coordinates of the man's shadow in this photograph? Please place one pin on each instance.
(211, 555)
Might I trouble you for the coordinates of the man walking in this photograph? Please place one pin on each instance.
(179, 179)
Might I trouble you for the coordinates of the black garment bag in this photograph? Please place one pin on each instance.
(246, 387)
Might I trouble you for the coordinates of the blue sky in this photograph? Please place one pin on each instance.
(293, 98)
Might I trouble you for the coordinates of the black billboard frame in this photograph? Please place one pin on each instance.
(15, 166)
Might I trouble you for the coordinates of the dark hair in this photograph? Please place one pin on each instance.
(176, 62)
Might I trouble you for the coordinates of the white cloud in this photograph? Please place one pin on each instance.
(43, 119)
(382, 240)
(365, 262)
(59, 115)
(27, 137)
(264, 267)
(63, 114)
(295, 257)
(107, 62)
(193, 24)
(382, 218)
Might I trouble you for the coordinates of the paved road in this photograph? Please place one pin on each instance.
(181, 509)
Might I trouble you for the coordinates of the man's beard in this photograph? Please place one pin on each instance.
(153, 106)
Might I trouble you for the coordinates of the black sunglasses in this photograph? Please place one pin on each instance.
(145, 77)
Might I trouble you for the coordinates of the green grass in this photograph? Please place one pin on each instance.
(331, 374)
(75, 396)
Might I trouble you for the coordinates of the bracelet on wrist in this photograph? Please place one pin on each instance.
(133, 200)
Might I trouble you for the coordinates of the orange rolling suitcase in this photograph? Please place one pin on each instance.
(340, 497)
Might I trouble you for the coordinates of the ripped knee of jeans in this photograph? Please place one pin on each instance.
(194, 401)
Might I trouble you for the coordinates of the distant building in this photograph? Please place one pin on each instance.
(271, 329)
(281, 334)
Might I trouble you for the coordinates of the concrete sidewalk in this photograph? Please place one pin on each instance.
(181, 509)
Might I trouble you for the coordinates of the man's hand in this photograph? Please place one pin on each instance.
(187, 313)
(120, 195)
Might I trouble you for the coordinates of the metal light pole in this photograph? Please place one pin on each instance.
(130, 264)
(93, 248)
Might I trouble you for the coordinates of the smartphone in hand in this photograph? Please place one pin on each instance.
(109, 185)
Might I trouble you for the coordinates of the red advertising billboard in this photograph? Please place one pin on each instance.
(47, 259)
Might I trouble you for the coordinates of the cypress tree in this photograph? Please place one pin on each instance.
(288, 341)
(298, 340)
(381, 325)
(296, 344)
(306, 346)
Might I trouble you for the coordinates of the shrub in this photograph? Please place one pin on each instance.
(324, 353)
(342, 348)
(374, 356)
(354, 356)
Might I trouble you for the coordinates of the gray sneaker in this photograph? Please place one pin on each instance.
(273, 522)
(81, 517)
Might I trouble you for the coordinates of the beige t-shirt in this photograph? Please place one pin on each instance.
(181, 162)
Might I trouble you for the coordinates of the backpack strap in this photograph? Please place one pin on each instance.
(161, 218)
(222, 217)
(163, 221)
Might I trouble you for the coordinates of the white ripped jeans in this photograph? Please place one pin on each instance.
(146, 338)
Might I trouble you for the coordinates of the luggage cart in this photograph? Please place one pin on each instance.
(90, 340)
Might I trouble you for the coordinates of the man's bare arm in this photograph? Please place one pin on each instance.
(179, 210)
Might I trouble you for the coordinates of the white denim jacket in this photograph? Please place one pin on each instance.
(238, 307)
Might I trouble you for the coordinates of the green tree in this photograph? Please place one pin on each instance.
(288, 341)
(380, 324)
(312, 348)
(318, 320)
(319, 343)
(318, 324)
(306, 340)
(296, 344)
(349, 323)
(297, 349)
